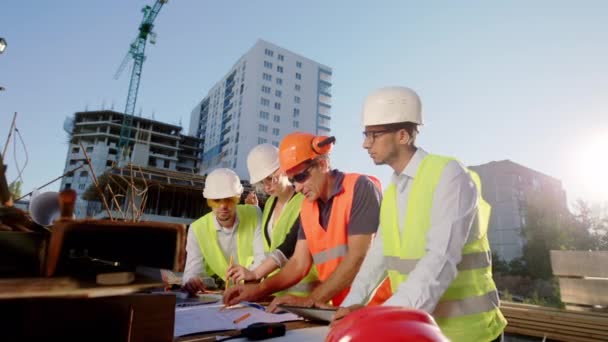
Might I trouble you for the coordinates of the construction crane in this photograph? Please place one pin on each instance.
(137, 52)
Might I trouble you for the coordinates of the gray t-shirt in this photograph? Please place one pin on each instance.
(365, 211)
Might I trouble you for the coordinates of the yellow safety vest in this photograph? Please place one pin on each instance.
(469, 308)
(282, 225)
(215, 261)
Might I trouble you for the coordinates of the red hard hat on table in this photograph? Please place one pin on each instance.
(386, 323)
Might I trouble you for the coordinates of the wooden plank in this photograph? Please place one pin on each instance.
(584, 291)
(602, 329)
(562, 316)
(560, 328)
(580, 263)
(553, 336)
(66, 287)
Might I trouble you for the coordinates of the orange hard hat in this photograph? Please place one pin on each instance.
(386, 323)
(299, 147)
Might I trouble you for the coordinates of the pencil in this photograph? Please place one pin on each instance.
(228, 281)
(242, 318)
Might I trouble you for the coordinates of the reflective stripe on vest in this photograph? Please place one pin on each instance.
(330, 254)
(468, 262)
(468, 309)
(467, 306)
(328, 247)
(214, 258)
(282, 226)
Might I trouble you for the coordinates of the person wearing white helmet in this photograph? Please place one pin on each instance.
(281, 214)
(433, 242)
(229, 234)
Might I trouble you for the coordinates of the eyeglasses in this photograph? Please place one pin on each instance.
(302, 176)
(272, 179)
(372, 135)
(215, 203)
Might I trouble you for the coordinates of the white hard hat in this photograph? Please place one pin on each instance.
(392, 105)
(222, 183)
(262, 161)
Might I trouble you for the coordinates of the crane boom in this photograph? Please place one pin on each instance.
(137, 52)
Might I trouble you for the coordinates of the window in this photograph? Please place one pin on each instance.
(69, 185)
(267, 65)
(82, 186)
(276, 118)
(296, 112)
(89, 149)
(268, 52)
(275, 143)
(75, 150)
(262, 141)
(278, 93)
(296, 99)
(280, 69)
(264, 115)
(84, 174)
(277, 105)
(299, 64)
(296, 124)
(280, 57)
(298, 76)
(275, 131)
(279, 81)
(265, 102)
(266, 89)
(262, 128)
(267, 77)
(298, 87)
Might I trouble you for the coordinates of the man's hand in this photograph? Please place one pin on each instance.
(306, 302)
(194, 285)
(342, 312)
(251, 198)
(238, 273)
(239, 293)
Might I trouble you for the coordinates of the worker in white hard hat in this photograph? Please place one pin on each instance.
(432, 240)
(229, 234)
(280, 219)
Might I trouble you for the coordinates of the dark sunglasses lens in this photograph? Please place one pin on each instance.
(300, 177)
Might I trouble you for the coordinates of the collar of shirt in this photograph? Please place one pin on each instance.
(400, 180)
(337, 187)
(226, 231)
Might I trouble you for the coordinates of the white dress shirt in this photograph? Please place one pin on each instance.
(226, 238)
(452, 214)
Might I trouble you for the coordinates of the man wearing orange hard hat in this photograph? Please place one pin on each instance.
(336, 227)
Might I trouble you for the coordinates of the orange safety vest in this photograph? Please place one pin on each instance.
(328, 248)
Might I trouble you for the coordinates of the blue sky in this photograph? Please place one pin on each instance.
(519, 80)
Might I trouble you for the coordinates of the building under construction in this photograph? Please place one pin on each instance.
(151, 144)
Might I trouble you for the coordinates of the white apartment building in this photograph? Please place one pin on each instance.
(268, 93)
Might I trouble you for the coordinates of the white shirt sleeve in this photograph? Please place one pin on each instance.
(194, 258)
(371, 273)
(258, 243)
(453, 212)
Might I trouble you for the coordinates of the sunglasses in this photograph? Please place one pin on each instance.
(302, 176)
(214, 203)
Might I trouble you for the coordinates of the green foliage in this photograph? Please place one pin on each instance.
(15, 189)
(552, 227)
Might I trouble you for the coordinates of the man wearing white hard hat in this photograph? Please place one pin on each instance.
(433, 242)
(280, 219)
(229, 234)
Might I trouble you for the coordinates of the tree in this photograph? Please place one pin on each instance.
(544, 230)
(15, 189)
